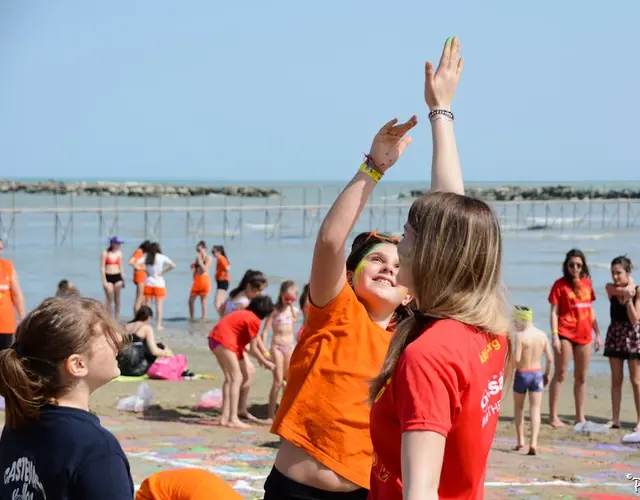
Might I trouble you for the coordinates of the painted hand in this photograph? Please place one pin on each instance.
(390, 142)
(440, 87)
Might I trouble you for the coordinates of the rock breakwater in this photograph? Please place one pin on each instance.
(541, 193)
(133, 189)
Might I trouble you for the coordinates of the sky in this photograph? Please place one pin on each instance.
(295, 91)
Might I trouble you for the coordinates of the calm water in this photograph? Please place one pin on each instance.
(276, 244)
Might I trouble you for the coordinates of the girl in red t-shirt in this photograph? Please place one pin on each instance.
(572, 324)
(436, 401)
(228, 341)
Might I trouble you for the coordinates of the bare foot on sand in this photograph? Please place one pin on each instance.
(532, 451)
(558, 424)
(518, 447)
(613, 425)
(237, 424)
(251, 418)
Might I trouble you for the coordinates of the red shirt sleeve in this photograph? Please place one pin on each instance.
(427, 392)
(554, 294)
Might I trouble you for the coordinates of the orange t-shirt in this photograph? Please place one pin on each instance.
(185, 484)
(222, 266)
(339, 352)
(139, 273)
(7, 309)
(236, 330)
(575, 313)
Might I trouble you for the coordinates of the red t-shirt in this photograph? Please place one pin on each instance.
(575, 313)
(235, 331)
(449, 380)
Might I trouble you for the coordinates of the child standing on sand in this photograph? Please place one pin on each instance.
(531, 345)
(282, 320)
(228, 341)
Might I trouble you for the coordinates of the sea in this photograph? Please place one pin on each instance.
(276, 235)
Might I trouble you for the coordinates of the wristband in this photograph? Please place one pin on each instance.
(554, 332)
(443, 112)
(371, 172)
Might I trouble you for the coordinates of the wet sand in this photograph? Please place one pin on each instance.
(173, 433)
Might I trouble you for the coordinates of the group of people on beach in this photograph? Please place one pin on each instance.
(150, 265)
(574, 329)
(395, 385)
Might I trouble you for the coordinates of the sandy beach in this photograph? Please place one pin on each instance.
(173, 433)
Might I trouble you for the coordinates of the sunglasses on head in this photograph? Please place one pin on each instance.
(362, 238)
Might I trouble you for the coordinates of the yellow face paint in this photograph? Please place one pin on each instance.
(364, 263)
(523, 315)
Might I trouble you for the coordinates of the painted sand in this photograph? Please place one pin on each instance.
(563, 469)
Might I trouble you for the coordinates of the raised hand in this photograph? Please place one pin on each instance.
(440, 87)
(390, 142)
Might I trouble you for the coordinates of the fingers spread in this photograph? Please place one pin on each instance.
(403, 128)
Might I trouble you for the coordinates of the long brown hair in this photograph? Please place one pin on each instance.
(30, 372)
(455, 264)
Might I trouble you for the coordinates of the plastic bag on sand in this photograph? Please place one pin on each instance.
(590, 426)
(633, 437)
(139, 402)
(211, 399)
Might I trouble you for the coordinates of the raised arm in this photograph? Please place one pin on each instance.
(328, 271)
(633, 308)
(439, 90)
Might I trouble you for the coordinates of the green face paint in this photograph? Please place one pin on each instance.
(364, 263)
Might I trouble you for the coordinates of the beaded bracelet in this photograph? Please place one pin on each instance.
(443, 112)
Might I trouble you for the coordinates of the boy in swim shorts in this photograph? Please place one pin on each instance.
(531, 345)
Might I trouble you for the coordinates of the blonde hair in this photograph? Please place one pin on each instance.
(30, 372)
(456, 270)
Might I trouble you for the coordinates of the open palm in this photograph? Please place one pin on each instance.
(440, 87)
(390, 142)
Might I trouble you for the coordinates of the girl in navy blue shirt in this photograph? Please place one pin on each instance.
(52, 447)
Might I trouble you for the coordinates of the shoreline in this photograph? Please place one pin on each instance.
(141, 189)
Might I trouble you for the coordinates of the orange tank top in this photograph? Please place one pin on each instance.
(137, 255)
(7, 310)
(222, 266)
(340, 351)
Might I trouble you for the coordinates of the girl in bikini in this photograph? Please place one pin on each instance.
(201, 280)
(282, 320)
(228, 341)
(112, 271)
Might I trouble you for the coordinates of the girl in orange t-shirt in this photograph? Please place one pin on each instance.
(139, 273)
(222, 276)
(228, 341)
(201, 280)
(572, 323)
(323, 417)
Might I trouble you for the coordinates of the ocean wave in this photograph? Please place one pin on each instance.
(540, 235)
